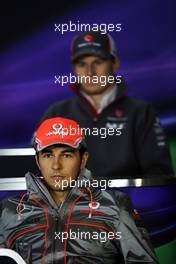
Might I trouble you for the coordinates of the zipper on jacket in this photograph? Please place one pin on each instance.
(56, 230)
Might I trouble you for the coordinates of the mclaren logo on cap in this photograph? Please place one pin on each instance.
(89, 38)
(57, 126)
(57, 130)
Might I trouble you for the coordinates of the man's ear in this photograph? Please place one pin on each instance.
(37, 161)
(116, 64)
(84, 160)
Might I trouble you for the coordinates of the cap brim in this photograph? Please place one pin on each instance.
(91, 51)
(48, 143)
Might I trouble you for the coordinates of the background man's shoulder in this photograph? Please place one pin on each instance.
(62, 103)
(138, 103)
(61, 108)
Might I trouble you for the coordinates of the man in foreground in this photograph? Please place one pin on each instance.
(125, 138)
(54, 222)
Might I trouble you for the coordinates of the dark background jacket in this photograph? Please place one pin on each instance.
(31, 224)
(140, 150)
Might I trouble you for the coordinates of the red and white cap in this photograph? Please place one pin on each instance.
(59, 131)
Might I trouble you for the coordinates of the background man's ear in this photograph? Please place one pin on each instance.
(84, 160)
(116, 64)
(37, 161)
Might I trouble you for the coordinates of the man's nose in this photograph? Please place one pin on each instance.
(56, 164)
(90, 70)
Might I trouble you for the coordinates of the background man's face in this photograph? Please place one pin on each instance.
(94, 66)
(59, 164)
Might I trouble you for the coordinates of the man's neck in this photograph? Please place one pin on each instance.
(97, 98)
(59, 196)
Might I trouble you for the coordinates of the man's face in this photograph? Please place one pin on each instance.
(94, 66)
(59, 165)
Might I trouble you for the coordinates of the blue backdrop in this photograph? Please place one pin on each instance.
(146, 47)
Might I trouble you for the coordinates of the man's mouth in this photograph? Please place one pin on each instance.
(57, 178)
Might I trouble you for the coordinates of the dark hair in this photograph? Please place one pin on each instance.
(81, 150)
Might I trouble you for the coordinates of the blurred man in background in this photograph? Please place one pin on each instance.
(125, 138)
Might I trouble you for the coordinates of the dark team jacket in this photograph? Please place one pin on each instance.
(33, 225)
(140, 150)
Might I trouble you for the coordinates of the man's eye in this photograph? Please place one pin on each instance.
(47, 155)
(99, 62)
(67, 155)
(81, 64)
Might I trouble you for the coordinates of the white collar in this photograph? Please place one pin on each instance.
(105, 101)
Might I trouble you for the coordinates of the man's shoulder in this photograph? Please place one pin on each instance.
(137, 103)
(10, 201)
(120, 198)
(62, 108)
(64, 103)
